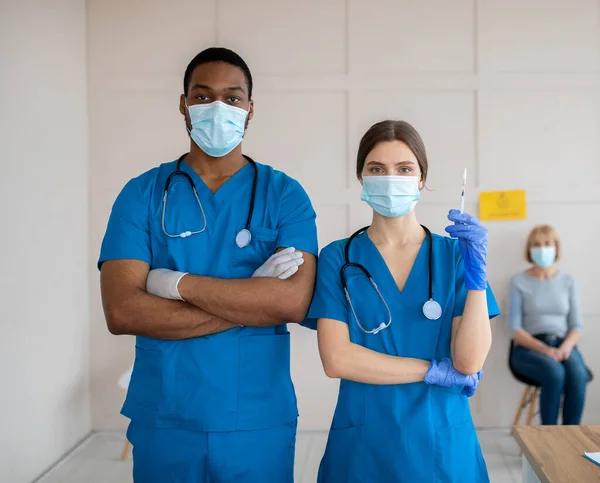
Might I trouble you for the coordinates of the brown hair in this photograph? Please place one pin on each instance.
(389, 130)
(542, 230)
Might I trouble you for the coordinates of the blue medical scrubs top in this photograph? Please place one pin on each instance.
(238, 379)
(405, 432)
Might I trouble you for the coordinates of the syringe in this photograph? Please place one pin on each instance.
(464, 188)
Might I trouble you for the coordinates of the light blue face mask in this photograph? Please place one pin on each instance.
(217, 128)
(543, 257)
(391, 196)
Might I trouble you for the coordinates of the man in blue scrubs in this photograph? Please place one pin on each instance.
(210, 397)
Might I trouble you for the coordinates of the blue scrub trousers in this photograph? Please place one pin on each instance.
(174, 455)
(555, 378)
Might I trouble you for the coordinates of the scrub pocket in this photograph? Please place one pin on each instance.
(145, 387)
(345, 457)
(245, 261)
(351, 405)
(458, 457)
(266, 394)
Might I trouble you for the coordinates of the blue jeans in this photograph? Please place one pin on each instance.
(555, 378)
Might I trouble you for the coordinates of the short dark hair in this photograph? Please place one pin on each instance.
(217, 54)
(385, 131)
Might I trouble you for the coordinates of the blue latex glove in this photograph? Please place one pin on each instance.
(444, 374)
(472, 240)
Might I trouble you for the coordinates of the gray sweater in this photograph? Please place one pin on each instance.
(544, 306)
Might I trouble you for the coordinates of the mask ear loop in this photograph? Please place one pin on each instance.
(189, 131)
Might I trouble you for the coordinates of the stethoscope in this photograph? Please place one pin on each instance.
(431, 309)
(243, 237)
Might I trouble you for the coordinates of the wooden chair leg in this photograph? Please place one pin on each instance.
(522, 406)
(125, 449)
(532, 404)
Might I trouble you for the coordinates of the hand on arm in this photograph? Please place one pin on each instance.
(471, 333)
(129, 309)
(344, 359)
(272, 297)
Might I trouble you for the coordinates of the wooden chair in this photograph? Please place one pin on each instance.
(531, 392)
(125, 451)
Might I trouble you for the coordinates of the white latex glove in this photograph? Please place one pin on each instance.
(163, 282)
(281, 265)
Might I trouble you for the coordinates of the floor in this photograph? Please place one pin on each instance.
(97, 459)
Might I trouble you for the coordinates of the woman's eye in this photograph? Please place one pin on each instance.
(376, 170)
(405, 170)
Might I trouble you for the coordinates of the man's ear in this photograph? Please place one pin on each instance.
(182, 106)
(251, 110)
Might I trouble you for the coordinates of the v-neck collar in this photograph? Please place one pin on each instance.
(227, 190)
(386, 270)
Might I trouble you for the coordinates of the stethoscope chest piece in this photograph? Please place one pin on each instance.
(243, 238)
(432, 310)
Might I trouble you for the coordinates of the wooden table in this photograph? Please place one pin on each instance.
(552, 454)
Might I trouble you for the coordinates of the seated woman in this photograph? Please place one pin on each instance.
(545, 319)
(393, 304)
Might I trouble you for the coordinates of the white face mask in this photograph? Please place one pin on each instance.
(391, 196)
(217, 128)
(543, 257)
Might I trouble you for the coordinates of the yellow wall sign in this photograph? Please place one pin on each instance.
(502, 205)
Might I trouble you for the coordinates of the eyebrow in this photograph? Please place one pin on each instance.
(379, 163)
(227, 89)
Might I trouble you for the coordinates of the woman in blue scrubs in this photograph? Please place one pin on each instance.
(401, 348)
(189, 266)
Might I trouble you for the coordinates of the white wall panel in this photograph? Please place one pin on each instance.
(332, 223)
(541, 35)
(302, 134)
(286, 37)
(508, 89)
(45, 276)
(317, 394)
(136, 134)
(445, 120)
(544, 141)
(391, 36)
(137, 37)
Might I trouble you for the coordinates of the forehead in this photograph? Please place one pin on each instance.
(391, 151)
(217, 75)
(542, 237)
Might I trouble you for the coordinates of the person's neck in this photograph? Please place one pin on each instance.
(396, 232)
(208, 167)
(543, 273)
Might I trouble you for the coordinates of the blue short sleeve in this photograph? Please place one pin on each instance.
(128, 232)
(297, 222)
(460, 292)
(329, 301)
